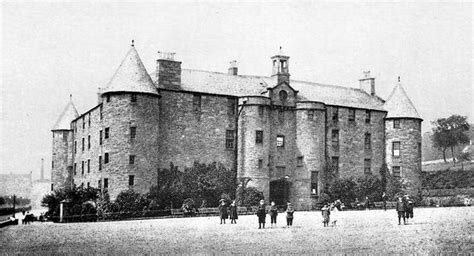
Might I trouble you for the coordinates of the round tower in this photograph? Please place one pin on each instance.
(310, 152)
(403, 139)
(130, 128)
(61, 160)
(253, 160)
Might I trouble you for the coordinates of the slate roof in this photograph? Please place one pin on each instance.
(242, 85)
(64, 121)
(131, 76)
(399, 105)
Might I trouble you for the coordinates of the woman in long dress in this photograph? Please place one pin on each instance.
(334, 214)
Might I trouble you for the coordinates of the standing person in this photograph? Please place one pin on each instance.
(325, 213)
(401, 210)
(384, 201)
(233, 213)
(289, 215)
(367, 202)
(409, 208)
(261, 214)
(334, 213)
(223, 211)
(273, 214)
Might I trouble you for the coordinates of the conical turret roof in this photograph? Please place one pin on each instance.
(64, 121)
(399, 105)
(131, 76)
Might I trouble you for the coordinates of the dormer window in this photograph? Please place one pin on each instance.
(283, 95)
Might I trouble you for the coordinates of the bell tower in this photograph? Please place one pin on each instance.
(280, 67)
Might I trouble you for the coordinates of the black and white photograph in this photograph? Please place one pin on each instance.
(199, 127)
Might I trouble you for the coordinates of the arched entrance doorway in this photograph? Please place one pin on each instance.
(280, 191)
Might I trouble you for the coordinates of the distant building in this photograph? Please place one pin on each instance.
(281, 133)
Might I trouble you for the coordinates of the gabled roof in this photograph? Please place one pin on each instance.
(243, 85)
(399, 105)
(131, 76)
(64, 121)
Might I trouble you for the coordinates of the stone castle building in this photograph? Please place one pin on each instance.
(280, 133)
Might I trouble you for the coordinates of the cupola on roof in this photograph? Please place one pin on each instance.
(131, 76)
(64, 121)
(399, 105)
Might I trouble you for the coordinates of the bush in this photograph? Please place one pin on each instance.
(250, 197)
(447, 179)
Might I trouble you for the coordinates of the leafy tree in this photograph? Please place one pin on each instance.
(252, 197)
(394, 186)
(131, 201)
(343, 189)
(449, 133)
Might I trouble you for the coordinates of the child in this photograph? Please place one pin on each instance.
(335, 213)
(233, 213)
(289, 215)
(401, 210)
(273, 214)
(261, 214)
(223, 211)
(325, 212)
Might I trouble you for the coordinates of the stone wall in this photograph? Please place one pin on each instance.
(62, 158)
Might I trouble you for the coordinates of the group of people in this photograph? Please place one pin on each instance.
(262, 214)
(404, 209)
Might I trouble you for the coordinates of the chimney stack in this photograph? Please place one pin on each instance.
(168, 71)
(367, 83)
(233, 70)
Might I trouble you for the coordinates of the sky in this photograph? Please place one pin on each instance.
(50, 50)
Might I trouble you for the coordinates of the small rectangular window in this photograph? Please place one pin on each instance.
(367, 165)
(260, 163)
(367, 142)
(99, 184)
(258, 137)
(83, 122)
(88, 165)
(88, 184)
(100, 137)
(335, 139)
(52, 164)
(335, 115)
(131, 180)
(133, 97)
(335, 166)
(133, 132)
(367, 117)
(229, 139)
(280, 141)
(352, 115)
(83, 144)
(82, 167)
(396, 149)
(106, 133)
(314, 182)
(396, 124)
(106, 158)
(396, 172)
(89, 119)
(75, 147)
(52, 187)
(100, 163)
(106, 183)
(88, 142)
(197, 102)
(230, 106)
(310, 114)
(75, 169)
(299, 161)
(131, 159)
(100, 112)
(261, 111)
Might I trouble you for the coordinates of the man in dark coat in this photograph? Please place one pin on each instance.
(223, 211)
(233, 212)
(261, 214)
(401, 210)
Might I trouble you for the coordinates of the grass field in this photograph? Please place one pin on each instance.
(433, 230)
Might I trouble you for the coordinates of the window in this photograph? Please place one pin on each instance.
(83, 122)
(419, 149)
(106, 133)
(314, 182)
(106, 158)
(396, 172)
(82, 167)
(131, 180)
(352, 114)
(258, 137)
(88, 165)
(75, 147)
(367, 142)
(283, 95)
(133, 97)
(75, 168)
(197, 102)
(88, 142)
(280, 141)
(100, 112)
(367, 117)
(396, 124)
(82, 144)
(100, 163)
(229, 139)
(88, 184)
(396, 149)
(310, 114)
(100, 137)
(133, 132)
(230, 106)
(99, 184)
(52, 187)
(261, 111)
(335, 139)
(52, 164)
(89, 120)
(106, 183)
(260, 163)
(75, 126)
(108, 98)
(367, 164)
(131, 159)
(335, 115)
(281, 116)
(299, 161)
(335, 166)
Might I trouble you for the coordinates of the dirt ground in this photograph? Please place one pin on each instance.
(433, 230)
